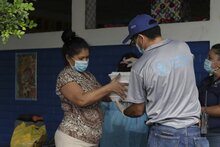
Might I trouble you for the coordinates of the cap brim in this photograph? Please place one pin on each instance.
(126, 39)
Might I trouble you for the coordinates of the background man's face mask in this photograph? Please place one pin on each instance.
(81, 66)
(208, 66)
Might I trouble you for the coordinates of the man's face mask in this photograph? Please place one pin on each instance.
(141, 50)
(80, 65)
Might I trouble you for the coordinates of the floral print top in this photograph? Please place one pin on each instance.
(83, 123)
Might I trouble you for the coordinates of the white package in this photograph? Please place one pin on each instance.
(123, 79)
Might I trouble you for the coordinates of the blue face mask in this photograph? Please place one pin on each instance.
(81, 66)
(208, 66)
(141, 50)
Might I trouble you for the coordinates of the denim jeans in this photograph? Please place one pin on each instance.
(165, 136)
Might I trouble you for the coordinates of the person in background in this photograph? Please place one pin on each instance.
(80, 95)
(120, 130)
(162, 84)
(129, 62)
(126, 62)
(209, 95)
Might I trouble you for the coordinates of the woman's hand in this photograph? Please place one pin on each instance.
(119, 88)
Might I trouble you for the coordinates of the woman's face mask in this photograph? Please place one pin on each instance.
(80, 65)
(208, 66)
(80, 61)
(211, 65)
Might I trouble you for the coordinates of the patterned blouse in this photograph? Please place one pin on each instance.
(83, 123)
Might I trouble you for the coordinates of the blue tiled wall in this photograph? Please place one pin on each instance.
(200, 51)
(103, 60)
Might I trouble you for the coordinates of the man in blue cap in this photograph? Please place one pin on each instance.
(162, 84)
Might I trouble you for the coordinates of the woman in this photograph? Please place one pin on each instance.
(80, 96)
(209, 95)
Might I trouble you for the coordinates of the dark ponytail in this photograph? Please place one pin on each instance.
(67, 36)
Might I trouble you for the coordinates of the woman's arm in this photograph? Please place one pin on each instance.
(212, 110)
(75, 93)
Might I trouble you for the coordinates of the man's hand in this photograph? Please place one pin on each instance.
(135, 110)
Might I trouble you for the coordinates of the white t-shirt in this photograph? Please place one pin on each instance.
(164, 79)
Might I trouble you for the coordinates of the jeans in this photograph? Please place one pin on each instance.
(165, 136)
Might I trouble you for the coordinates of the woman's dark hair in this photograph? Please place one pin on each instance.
(216, 49)
(122, 67)
(73, 44)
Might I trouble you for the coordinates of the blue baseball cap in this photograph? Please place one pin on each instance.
(138, 24)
